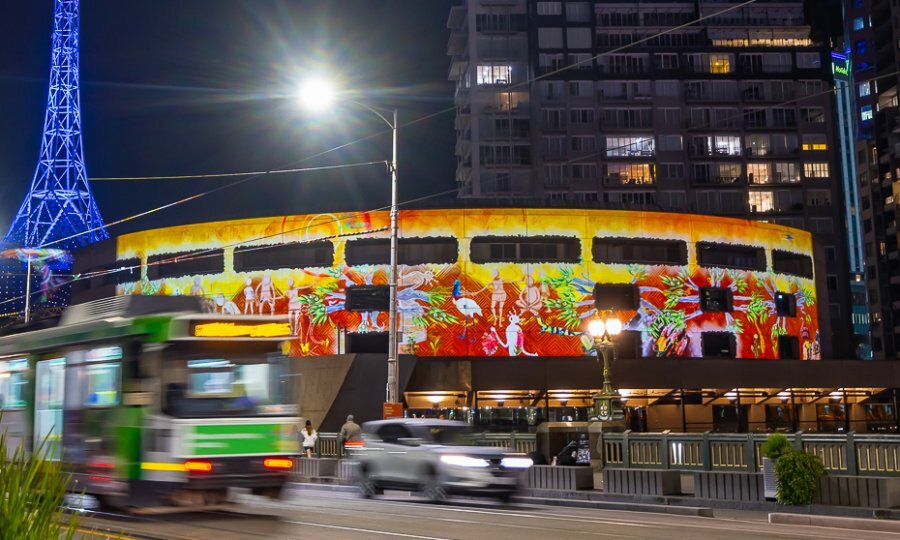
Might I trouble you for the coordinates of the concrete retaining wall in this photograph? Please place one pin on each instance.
(641, 481)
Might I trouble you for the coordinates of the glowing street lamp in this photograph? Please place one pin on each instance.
(318, 96)
(606, 402)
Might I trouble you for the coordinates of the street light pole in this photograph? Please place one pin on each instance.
(606, 402)
(318, 94)
(393, 381)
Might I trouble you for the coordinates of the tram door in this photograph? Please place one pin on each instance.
(48, 405)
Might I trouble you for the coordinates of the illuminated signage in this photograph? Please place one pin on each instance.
(840, 65)
(241, 330)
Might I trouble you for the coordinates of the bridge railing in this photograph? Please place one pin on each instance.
(850, 454)
(328, 445)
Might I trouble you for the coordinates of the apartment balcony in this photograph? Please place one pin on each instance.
(506, 134)
(733, 181)
(624, 181)
(456, 21)
(458, 65)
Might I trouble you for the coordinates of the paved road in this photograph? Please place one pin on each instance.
(312, 515)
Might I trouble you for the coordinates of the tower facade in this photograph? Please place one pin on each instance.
(638, 106)
(59, 204)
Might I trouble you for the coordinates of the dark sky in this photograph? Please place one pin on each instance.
(198, 86)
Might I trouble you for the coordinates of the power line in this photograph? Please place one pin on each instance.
(407, 124)
(226, 175)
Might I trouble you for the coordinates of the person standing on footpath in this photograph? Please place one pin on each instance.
(351, 434)
(308, 438)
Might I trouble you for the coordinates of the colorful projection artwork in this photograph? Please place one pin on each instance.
(499, 282)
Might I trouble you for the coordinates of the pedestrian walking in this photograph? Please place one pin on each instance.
(351, 434)
(308, 438)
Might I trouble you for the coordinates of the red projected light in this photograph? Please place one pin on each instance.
(197, 466)
(278, 463)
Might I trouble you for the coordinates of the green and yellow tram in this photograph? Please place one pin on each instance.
(150, 402)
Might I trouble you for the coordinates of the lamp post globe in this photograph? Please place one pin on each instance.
(613, 326)
(317, 95)
(607, 402)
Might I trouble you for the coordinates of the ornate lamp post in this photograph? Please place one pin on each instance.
(607, 401)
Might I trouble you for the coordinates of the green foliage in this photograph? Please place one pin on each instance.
(565, 306)
(676, 289)
(33, 489)
(796, 474)
(757, 311)
(741, 285)
(638, 272)
(776, 445)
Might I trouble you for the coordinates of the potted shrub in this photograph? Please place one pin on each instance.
(797, 475)
(775, 446)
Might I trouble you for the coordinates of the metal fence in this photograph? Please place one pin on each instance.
(851, 454)
(328, 445)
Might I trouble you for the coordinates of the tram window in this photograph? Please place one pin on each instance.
(259, 258)
(171, 265)
(639, 251)
(102, 385)
(410, 251)
(710, 254)
(12, 383)
(792, 263)
(534, 249)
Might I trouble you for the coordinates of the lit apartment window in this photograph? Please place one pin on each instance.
(720, 63)
(865, 113)
(630, 173)
(859, 23)
(814, 142)
(549, 8)
(630, 146)
(865, 89)
(787, 173)
(758, 173)
(761, 201)
(492, 74)
(815, 170)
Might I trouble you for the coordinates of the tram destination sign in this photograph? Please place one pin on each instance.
(224, 329)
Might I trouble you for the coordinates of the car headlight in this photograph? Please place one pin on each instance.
(516, 462)
(464, 461)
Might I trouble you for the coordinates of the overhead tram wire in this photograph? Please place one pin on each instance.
(226, 175)
(410, 123)
(198, 196)
(207, 253)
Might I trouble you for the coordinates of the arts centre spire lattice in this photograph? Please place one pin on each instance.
(59, 204)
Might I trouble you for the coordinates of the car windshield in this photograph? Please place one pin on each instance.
(451, 435)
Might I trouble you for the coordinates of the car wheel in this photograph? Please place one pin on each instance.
(367, 487)
(434, 491)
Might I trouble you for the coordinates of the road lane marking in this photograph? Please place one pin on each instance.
(368, 531)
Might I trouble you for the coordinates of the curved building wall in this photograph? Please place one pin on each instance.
(492, 282)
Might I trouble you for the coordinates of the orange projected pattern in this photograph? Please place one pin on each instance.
(464, 308)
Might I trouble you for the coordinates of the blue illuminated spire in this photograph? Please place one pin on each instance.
(59, 205)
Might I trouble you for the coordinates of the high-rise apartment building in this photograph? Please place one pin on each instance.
(638, 105)
(872, 35)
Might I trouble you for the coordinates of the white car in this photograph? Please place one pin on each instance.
(436, 457)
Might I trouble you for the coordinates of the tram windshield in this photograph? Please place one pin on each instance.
(222, 386)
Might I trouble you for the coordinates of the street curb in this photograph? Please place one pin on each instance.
(874, 525)
(696, 511)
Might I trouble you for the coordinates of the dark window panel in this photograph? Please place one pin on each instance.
(795, 264)
(535, 249)
(716, 299)
(258, 258)
(717, 344)
(788, 348)
(368, 298)
(785, 304)
(617, 297)
(710, 254)
(410, 251)
(174, 265)
(640, 251)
